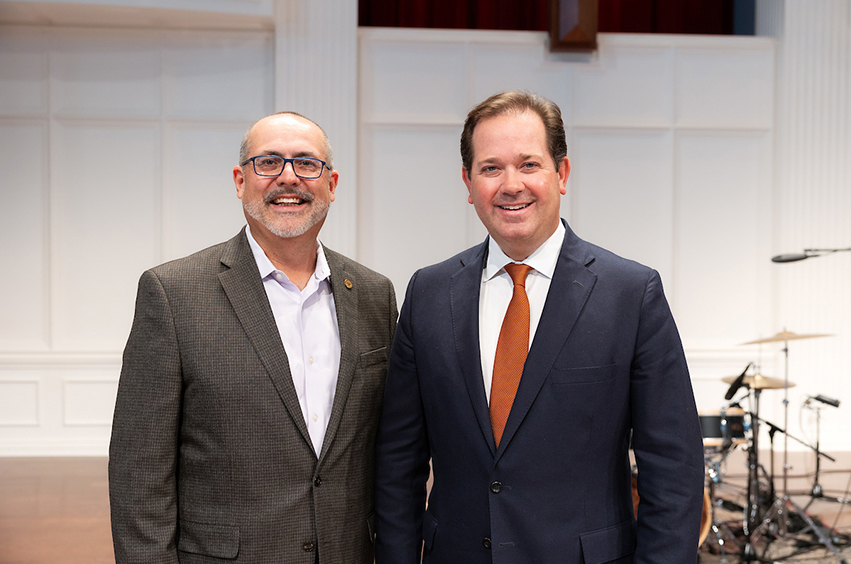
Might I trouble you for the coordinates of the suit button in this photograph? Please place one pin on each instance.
(486, 542)
(317, 481)
(496, 487)
(308, 547)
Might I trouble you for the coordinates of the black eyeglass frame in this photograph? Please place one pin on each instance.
(322, 168)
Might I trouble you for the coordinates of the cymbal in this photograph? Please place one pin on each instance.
(759, 382)
(787, 336)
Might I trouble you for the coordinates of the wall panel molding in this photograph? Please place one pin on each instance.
(93, 144)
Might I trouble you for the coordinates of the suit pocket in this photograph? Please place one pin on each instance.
(372, 357)
(218, 541)
(608, 544)
(584, 375)
(429, 529)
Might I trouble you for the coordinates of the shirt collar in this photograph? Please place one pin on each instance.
(543, 260)
(265, 266)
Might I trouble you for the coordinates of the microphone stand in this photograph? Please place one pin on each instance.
(782, 503)
(817, 492)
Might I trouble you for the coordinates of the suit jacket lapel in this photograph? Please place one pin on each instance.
(569, 290)
(464, 288)
(244, 288)
(345, 288)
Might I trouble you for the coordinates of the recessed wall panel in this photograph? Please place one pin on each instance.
(723, 88)
(413, 82)
(200, 204)
(23, 71)
(104, 73)
(23, 244)
(88, 402)
(18, 403)
(722, 218)
(622, 194)
(229, 76)
(488, 63)
(105, 229)
(626, 86)
(417, 201)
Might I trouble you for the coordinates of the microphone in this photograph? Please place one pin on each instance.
(794, 257)
(826, 400)
(737, 383)
(808, 253)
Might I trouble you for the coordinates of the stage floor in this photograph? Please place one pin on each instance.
(57, 510)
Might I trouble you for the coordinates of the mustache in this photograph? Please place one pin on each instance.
(306, 196)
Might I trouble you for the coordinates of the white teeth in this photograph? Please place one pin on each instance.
(514, 208)
(293, 201)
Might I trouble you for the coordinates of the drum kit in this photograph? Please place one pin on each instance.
(766, 515)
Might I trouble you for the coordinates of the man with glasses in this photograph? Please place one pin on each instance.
(252, 380)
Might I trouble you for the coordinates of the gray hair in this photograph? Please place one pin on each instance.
(244, 146)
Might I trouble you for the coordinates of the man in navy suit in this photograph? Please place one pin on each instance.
(529, 444)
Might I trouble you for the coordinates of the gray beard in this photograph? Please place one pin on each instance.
(257, 210)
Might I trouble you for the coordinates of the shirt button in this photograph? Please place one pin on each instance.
(310, 360)
(308, 547)
(315, 418)
(486, 542)
(496, 487)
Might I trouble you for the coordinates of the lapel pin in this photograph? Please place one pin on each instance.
(348, 283)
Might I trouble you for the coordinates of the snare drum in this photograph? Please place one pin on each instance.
(723, 427)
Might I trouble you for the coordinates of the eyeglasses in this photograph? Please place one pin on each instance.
(273, 165)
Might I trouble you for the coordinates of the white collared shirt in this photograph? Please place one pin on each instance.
(497, 289)
(307, 323)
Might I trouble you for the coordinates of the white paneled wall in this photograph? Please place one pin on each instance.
(670, 139)
(813, 204)
(118, 147)
(700, 156)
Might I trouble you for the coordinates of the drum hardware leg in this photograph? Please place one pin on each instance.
(784, 503)
(752, 507)
(783, 506)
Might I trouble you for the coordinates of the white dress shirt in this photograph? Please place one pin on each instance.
(497, 289)
(307, 322)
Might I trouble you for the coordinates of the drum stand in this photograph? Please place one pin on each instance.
(782, 504)
(719, 530)
(749, 524)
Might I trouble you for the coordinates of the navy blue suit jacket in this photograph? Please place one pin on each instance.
(606, 359)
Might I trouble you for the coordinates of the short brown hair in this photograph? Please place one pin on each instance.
(517, 101)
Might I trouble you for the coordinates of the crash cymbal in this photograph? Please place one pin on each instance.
(787, 336)
(759, 382)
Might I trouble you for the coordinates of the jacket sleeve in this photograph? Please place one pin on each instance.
(402, 452)
(666, 437)
(143, 451)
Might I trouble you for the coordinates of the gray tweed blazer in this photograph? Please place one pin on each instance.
(210, 458)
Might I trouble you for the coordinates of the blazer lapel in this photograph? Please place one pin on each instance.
(464, 288)
(244, 288)
(569, 290)
(345, 288)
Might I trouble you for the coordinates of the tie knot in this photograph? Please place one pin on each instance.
(518, 272)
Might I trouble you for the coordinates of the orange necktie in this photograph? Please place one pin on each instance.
(511, 350)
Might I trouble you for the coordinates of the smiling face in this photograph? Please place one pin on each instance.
(514, 184)
(285, 206)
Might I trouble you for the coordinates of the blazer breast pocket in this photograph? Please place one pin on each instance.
(217, 541)
(370, 358)
(583, 375)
